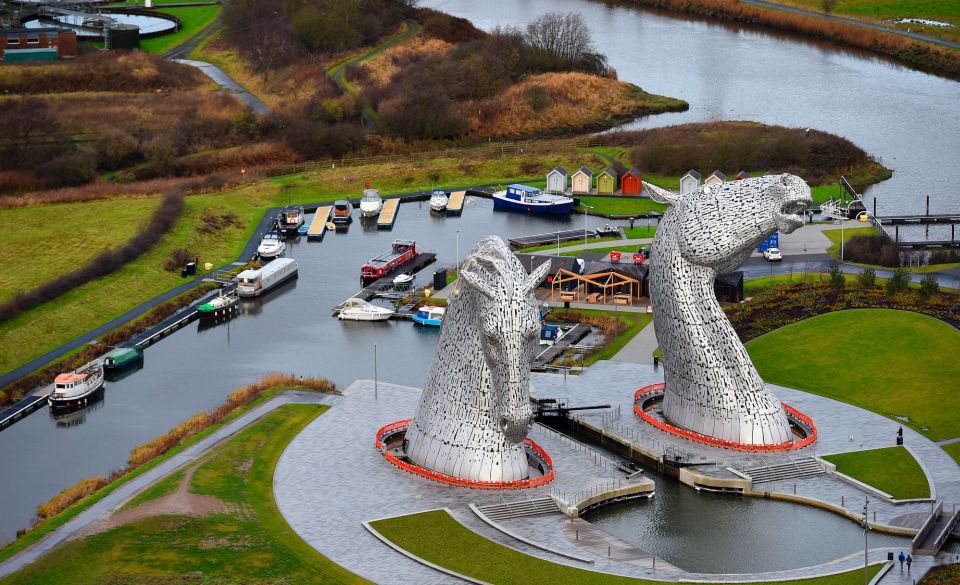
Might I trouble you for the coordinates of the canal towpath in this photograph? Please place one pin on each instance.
(122, 494)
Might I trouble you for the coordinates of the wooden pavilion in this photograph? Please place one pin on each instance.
(595, 287)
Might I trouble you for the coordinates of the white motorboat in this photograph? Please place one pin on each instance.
(271, 246)
(370, 203)
(360, 310)
(77, 388)
(403, 282)
(438, 200)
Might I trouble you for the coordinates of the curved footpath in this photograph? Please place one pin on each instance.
(119, 496)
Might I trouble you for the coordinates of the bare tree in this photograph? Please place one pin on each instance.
(562, 38)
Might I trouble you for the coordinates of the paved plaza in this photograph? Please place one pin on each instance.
(331, 478)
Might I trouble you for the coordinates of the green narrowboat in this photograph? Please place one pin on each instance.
(121, 358)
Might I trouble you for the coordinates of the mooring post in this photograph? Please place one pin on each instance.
(928, 205)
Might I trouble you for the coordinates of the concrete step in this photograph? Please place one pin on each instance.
(793, 469)
(519, 508)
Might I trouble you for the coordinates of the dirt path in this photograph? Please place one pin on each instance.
(179, 503)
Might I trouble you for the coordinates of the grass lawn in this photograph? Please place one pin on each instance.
(38, 234)
(549, 247)
(250, 542)
(752, 285)
(887, 10)
(953, 450)
(440, 539)
(619, 205)
(890, 362)
(633, 320)
(625, 248)
(193, 19)
(640, 232)
(892, 470)
(847, 233)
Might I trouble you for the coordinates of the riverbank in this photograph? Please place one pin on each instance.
(920, 55)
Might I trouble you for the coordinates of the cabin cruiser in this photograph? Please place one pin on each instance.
(518, 197)
(271, 246)
(403, 282)
(360, 310)
(342, 212)
(438, 200)
(370, 203)
(290, 219)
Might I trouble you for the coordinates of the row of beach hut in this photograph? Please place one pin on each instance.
(609, 182)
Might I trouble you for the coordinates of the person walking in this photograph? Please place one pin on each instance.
(901, 558)
(909, 562)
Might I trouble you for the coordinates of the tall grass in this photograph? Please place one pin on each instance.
(106, 262)
(916, 53)
(194, 425)
(105, 190)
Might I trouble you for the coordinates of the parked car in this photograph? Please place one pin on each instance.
(773, 254)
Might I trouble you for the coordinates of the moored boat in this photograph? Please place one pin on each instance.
(290, 219)
(342, 212)
(429, 316)
(271, 246)
(370, 203)
(252, 283)
(78, 388)
(438, 200)
(224, 305)
(518, 197)
(401, 252)
(360, 310)
(121, 358)
(403, 282)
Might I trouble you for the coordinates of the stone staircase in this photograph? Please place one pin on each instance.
(802, 467)
(516, 509)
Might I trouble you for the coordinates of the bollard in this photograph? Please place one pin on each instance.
(577, 535)
(794, 489)
(608, 551)
(841, 502)
(654, 561)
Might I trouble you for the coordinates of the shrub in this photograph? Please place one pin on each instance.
(71, 495)
(427, 114)
(177, 259)
(837, 281)
(537, 98)
(867, 279)
(106, 262)
(69, 171)
(929, 287)
(898, 282)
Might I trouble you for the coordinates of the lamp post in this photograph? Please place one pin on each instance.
(841, 238)
(585, 208)
(458, 252)
(866, 530)
(375, 381)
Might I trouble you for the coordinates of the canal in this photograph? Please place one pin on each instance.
(288, 330)
(910, 120)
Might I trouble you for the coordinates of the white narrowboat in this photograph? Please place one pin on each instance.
(253, 283)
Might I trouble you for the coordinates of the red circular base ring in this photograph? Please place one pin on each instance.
(393, 428)
(666, 427)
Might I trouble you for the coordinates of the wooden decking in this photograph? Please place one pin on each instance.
(455, 203)
(319, 226)
(388, 215)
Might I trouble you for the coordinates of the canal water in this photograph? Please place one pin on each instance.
(288, 330)
(717, 533)
(907, 119)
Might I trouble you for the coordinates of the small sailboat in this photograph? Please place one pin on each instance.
(438, 200)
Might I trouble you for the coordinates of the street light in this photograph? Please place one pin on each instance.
(458, 252)
(866, 530)
(585, 208)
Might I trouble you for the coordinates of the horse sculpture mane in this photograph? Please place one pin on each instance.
(711, 385)
(475, 412)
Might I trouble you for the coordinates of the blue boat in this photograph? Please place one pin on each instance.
(531, 200)
(429, 316)
(302, 231)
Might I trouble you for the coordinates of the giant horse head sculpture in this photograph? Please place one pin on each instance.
(475, 410)
(711, 385)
